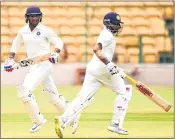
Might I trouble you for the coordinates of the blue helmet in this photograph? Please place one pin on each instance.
(112, 21)
(33, 10)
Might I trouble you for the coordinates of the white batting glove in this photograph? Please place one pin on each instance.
(112, 68)
(122, 74)
(10, 65)
(54, 57)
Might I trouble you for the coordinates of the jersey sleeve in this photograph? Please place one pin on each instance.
(104, 39)
(16, 42)
(53, 38)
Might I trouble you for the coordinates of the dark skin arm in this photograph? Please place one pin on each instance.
(98, 51)
(12, 55)
(65, 52)
(57, 50)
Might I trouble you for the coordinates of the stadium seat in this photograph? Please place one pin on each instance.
(127, 21)
(120, 49)
(128, 31)
(169, 12)
(101, 11)
(86, 51)
(76, 12)
(4, 21)
(138, 4)
(153, 12)
(120, 4)
(17, 11)
(79, 40)
(99, 4)
(94, 21)
(4, 11)
(16, 21)
(91, 40)
(65, 30)
(69, 40)
(142, 30)
(163, 44)
(50, 21)
(5, 30)
(138, 12)
(150, 4)
(140, 21)
(79, 30)
(123, 11)
(133, 54)
(72, 54)
(5, 40)
(77, 21)
(14, 29)
(149, 54)
(120, 40)
(95, 30)
(130, 41)
(148, 40)
(120, 53)
(166, 3)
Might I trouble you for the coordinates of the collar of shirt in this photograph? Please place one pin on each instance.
(105, 28)
(37, 27)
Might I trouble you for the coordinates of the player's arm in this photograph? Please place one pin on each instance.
(15, 45)
(98, 51)
(112, 68)
(54, 39)
(10, 64)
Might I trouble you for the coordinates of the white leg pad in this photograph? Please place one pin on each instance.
(75, 108)
(57, 99)
(121, 106)
(30, 104)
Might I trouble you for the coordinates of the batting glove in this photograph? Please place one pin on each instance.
(9, 65)
(122, 74)
(54, 57)
(112, 68)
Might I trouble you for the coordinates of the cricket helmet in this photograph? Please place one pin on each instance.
(33, 10)
(112, 21)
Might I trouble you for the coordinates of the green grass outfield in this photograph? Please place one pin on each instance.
(144, 118)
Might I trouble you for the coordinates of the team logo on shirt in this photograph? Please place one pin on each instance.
(118, 17)
(38, 33)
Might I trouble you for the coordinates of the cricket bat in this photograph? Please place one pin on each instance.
(30, 61)
(149, 93)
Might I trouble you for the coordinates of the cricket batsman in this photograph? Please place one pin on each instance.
(101, 71)
(37, 38)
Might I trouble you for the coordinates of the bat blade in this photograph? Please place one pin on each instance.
(153, 96)
(150, 94)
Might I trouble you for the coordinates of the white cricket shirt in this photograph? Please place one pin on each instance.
(36, 42)
(108, 42)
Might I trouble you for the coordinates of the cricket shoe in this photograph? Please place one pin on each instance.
(74, 124)
(37, 127)
(114, 127)
(59, 126)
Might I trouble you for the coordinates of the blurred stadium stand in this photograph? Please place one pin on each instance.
(79, 23)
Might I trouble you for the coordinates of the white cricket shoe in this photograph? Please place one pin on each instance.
(37, 127)
(59, 126)
(114, 127)
(74, 124)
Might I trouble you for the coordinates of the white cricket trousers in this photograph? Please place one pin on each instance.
(40, 74)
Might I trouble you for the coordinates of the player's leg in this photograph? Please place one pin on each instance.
(57, 99)
(84, 97)
(52, 93)
(119, 111)
(121, 102)
(31, 81)
(31, 106)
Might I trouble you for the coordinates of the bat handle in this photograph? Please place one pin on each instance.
(130, 79)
